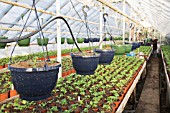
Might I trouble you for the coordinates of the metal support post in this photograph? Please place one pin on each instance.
(101, 24)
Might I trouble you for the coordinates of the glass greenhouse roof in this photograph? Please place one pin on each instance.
(149, 13)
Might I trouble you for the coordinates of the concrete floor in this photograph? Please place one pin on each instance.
(149, 100)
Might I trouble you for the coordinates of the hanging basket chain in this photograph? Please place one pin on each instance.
(19, 38)
(77, 36)
(109, 32)
(85, 18)
(105, 25)
(41, 36)
(81, 18)
(104, 35)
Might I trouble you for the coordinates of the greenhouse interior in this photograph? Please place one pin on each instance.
(84, 56)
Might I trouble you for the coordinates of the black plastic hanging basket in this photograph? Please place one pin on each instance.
(98, 39)
(85, 64)
(86, 40)
(106, 56)
(34, 83)
(2, 45)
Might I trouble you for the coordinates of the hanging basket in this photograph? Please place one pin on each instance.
(91, 39)
(135, 45)
(98, 39)
(85, 63)
(62, 40)
(106, 56)
(141, 43)
(119, 49)
(94, 39)
(44, 41)
(70, 41)
(34, 83)
(2, 45)
(86, 40)
(25, 42)
(106, 39)
(128, 48)
(80, 40)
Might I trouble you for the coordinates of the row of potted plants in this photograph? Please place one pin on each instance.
(44, 42)
(5, 87)
(118, 38)
(40, 41)
(166, 54)
(101, 92)
(67, 67)
(21, 43)
(144, 49)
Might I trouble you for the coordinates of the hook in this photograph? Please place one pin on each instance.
(84, 12)
(104, 14)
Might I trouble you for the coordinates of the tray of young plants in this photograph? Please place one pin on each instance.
(67, 67)
(146, 50)
(165, 50)
(100, 92)
(166, 54)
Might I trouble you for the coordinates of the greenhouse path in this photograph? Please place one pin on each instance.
(149, 100)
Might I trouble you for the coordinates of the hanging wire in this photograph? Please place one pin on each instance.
(88, 34)
(105, 24)
(81, 18)
(41, 34)
(104, 27)
(109, 32)
(20, 34)
(85, 18)
(77, 36)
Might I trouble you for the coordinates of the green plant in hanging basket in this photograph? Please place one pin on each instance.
(80, 40)
(3, 44)
(42, 41)
(62, 40)
(70, 41)
(128, 48)
(24, 42)
(119, 49)
(107, 39)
